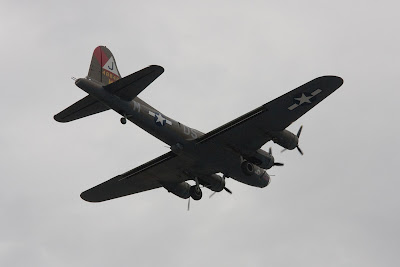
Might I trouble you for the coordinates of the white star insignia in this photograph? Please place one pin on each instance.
(160, 119)
(304, 99)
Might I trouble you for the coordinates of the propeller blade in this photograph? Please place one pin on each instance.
(298, 148)
(270, 150)
(299, 132)
(283, 150)
(227, 190)
(278, 164)
(189, 204)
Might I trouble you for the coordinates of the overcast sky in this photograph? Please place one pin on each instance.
(338, 205)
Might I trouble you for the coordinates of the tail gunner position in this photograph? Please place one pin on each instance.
(233, 149)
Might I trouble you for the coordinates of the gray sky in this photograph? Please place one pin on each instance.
(338, 205)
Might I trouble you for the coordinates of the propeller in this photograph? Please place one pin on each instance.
(298, 137)
(275, 163)
(225, 188)
(189, 203)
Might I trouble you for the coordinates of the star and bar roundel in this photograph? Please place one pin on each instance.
(305, 98)
(159, 119)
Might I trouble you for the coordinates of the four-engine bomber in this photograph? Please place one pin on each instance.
(232, 150)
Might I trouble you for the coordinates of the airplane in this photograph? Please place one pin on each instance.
(232, 150)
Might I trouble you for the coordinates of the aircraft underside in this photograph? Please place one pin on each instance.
(233, 149)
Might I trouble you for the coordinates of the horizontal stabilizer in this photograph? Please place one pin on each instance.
(126, 88)
(85, 107)
(130, 86)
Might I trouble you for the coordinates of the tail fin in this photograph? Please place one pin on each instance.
(103, 67)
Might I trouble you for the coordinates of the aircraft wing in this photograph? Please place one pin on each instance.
(166, 168)
(250, 131)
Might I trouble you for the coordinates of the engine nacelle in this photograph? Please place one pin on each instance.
(262, 159)
(214, 182)
(285, 139)
(181, 190)
(252, 175)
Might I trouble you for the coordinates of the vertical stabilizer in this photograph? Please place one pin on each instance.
(103, 67)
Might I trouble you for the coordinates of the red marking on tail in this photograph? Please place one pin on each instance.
(100, 56)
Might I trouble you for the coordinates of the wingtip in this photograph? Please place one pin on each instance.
(339, 81)
(57, 118)
(332, 80)
(93, 195)
(86, 196)
(158, 67)
(336, 78)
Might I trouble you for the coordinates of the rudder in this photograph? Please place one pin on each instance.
(103, 67)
